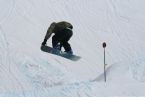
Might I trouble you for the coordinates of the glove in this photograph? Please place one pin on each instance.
(44, 42)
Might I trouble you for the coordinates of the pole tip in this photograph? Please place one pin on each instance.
(104, 44)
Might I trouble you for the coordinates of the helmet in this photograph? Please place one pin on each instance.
(71, 27)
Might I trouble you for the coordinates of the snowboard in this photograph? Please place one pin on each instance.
(57, 52)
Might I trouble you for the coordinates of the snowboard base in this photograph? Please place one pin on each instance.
(60, 53)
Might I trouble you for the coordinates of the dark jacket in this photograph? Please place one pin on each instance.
(58, 28)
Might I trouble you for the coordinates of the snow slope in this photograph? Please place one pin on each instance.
(26, 71)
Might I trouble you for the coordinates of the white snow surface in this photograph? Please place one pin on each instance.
(26, 71)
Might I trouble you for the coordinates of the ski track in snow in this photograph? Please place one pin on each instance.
(10, 80)
(8, 12)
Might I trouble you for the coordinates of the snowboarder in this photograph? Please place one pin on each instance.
(62, 34)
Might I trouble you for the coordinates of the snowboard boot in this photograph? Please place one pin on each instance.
(58, 47)
(69, 52)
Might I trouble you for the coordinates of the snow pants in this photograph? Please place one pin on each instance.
(61, 38)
